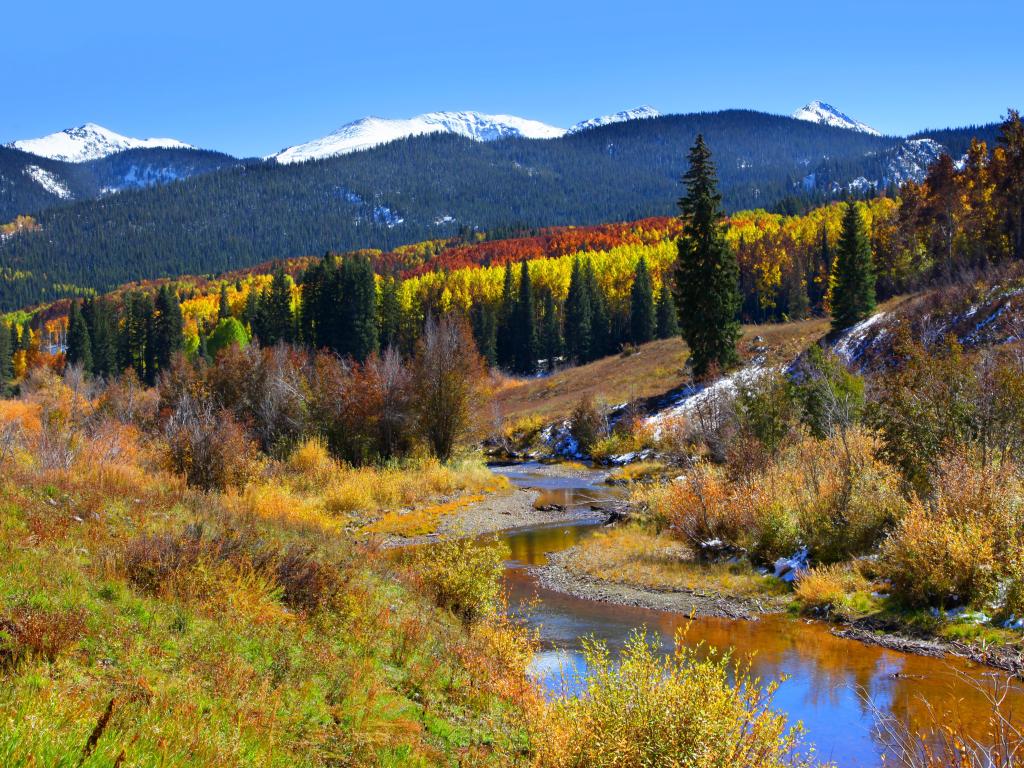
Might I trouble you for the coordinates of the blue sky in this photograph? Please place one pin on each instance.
(251, 78)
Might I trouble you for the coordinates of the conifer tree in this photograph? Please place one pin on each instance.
(390, 313)
(707, 274)
(668, 317)
(6, 358)
(136, 312)
(643, 323)
(277, 324)
(525, 327)
(358, 309)
(102, 333)
(853, 280)
(224, 309)
(577, 315)
(485, 328)
(506, 318)
(600, 321)
(79, 346)
(168, 329)
(551, 333)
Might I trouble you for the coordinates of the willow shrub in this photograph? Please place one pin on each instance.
(694, 707)
(463, 575)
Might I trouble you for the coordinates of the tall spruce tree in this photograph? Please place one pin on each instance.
(390, 313)
(643, 323)
(525, 325)
(168, 329)
(484, 318)
(103, 333)
(551, 331)
(600, 320)
(853, 282)
(706, 274)
(6, 358)
(277, 323)
(358, 309)
(668, 317)
(224, 308)
(79, 345)
(136, 315)
(506, 318)
(577, 315)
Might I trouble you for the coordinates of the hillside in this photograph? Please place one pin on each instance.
(422, 188)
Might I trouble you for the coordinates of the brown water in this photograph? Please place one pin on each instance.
(827, 678)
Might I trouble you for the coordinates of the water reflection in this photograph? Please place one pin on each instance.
(825, 674)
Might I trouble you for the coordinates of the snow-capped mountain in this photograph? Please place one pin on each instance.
(640, 113)
(373, 131)
(826, 114)
(89, 142)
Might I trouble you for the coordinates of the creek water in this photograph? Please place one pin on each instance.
(826, 678)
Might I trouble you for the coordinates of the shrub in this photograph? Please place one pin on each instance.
(33, 633)
(586, 424)
(210, 449)
(306, 583)
(848, 499)
(703, 506)
(690, 708)
(463, 575)
(826, 587)
(934, 558)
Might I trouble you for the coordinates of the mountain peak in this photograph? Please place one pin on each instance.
(368, 132)
(825, 114)
(639, 113)
(88, 141)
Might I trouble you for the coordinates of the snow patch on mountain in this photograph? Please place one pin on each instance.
(640, 113)
(374, 131)
(912, 158)
(825, 114)
(48, 181)
(89, 142)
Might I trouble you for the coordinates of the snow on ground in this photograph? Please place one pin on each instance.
(855, 340)
(639, 113)
(48, 181)
(374, 131)
(694, 396)
(825, 114)
(89, 142)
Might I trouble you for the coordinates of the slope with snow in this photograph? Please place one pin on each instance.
(374, 131)
(89, 142)
(640, 113)
(825, 114)
(48, 181)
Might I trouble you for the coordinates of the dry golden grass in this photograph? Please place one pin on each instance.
(654, 369)
(637, 557)
(420, 521)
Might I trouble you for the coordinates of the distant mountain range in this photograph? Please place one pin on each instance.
(149, 211)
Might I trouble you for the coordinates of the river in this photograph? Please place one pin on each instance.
(826, 677)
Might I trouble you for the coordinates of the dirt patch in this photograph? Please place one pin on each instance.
(554, 575)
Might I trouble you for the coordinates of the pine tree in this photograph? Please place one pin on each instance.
(525, 325)
(551, 333)
(485, 328)
(224, 310)
(707, 274)
(506, 318)
(853, 281)
(577, 315)
(643, 323)
(136, 314)
(6, 358)
(668, 317)
(600, 321)
(390, 313)
(168, 329)
(358, 309)
(102, 332)
(277, 323)
(79, 346)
